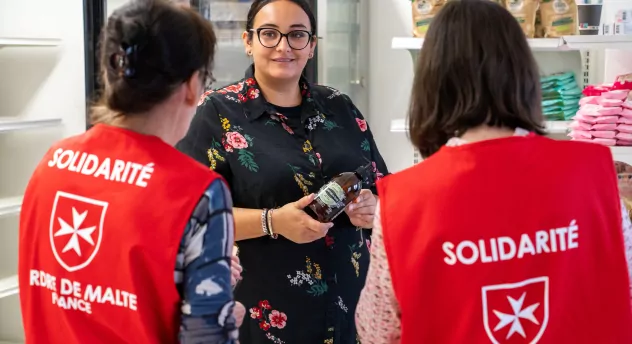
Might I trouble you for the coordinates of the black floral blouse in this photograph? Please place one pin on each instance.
(271, 156)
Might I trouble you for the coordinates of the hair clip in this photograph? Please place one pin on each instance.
(123, 61)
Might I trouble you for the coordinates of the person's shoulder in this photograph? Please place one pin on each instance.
(324, 93)
(232, 93)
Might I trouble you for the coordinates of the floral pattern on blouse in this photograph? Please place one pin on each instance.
(271, 156)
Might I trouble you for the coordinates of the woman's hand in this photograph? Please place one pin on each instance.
(235, 270)
(239, 311)
(362, 210)
(295, 224)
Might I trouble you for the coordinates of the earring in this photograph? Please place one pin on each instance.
(311, 55)
(249, 52)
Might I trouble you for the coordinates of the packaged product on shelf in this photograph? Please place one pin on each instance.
(423, 13)
(602, 117)
(559, 18)
(525, 13)
(539, 29)
(560, 96)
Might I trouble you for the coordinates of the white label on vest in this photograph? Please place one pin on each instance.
(106, 168)
(72, 295)
(506, 248)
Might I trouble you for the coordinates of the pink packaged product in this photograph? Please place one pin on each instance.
(606, 119)
(605, 142)
(578, 125)
(624, 128)
(609, 111)
(585, 119)
(627, 104)
(609, 102)
(624, 120)
(589, 100)
(605, 126)
(603, 134)
(615, 94)
(624, 142)
(582, 140)
(627, 113)
(624, 136)
(580, 134)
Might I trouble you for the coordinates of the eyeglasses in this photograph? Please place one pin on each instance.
(270, 38)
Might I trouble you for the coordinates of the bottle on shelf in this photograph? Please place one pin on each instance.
(331, 200)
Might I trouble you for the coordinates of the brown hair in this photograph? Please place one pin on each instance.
(475, 68)
(148, 49)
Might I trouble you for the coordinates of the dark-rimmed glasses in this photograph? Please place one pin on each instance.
(270, 38)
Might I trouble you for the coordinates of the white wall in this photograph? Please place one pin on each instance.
(35, 83)
(390, 78)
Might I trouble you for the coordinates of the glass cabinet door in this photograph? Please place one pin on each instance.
(341, 62)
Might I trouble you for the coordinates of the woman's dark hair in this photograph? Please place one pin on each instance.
(148, 49)
(475, 68)
(257, 5)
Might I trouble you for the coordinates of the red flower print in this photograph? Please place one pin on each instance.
(319, 159)
(303, 92)
(282, 117)
(253, 93)
(236, 140)
(378, 174)
(255, 313)
(329, 240)
(277, 319)
(368, 245)
(222, 91)
(242, 98)
(288, 129)
(264, 304)
(228, 148)
(203, 97)
(361, 124)
(250, 81)
(264, 325)
(234, 88)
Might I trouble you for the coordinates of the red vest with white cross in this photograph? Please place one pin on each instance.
(515, 240)
(101, 221)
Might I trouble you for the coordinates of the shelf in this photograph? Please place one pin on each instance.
(553, 127)
(10, 206)
(29, 42)
(8, 286)
(620, 42)
(16, 124)
(565, 43)
(557, 127)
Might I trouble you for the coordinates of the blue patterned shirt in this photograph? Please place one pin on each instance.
(202, 273)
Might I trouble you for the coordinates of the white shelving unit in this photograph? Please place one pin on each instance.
(552, 51)
(8, 286)
(28, 42)
(14, 124)
(10, 205)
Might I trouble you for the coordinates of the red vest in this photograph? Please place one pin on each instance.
(515, 240)
(102, 218)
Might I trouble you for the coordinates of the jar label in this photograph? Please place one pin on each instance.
(332, 195)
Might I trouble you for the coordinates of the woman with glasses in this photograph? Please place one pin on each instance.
(277, 139)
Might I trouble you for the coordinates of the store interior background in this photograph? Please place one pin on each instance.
(49, 82)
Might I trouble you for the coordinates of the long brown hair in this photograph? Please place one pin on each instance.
(475, 68)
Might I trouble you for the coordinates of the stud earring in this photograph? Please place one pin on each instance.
(311, 55)
(249, 52)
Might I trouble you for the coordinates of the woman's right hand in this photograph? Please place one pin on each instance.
(295, 224)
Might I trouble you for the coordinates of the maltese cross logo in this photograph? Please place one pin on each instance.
(516, 312)
(76, 229)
